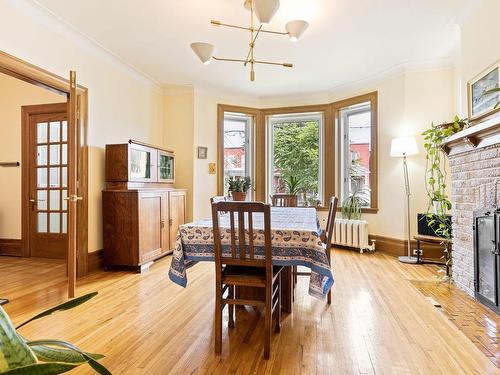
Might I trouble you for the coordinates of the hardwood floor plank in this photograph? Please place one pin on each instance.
(379, 322)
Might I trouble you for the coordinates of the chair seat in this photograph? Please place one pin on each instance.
(241, 275)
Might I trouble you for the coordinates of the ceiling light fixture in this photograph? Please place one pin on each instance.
(264, 10)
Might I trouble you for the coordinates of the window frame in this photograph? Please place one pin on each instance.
(372, 98)
(331, 155)
(293, 117)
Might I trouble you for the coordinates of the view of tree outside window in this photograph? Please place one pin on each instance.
(356, 129)
(237, 150)
(295, 147)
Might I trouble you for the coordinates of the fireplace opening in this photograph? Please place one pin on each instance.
(487, 257)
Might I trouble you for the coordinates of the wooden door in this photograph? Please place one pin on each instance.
(177, 212)
(150, 226)
(48, 182)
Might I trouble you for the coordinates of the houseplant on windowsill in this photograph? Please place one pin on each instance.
(238, 187)
(19, 355)
(351, 206)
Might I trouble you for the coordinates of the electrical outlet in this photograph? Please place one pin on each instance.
(415, 252)
(212, 168)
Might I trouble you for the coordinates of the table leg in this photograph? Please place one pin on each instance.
(286, 289)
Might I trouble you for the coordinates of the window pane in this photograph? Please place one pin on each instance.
(55, 131)
(55, 200)
(41, 155)
(42, 222)
(55, 223)
(295, 150)
(42, 199)
(64, 177)
(64, 223)
(55, 154)
(237, 148)
(356, 126)
(64, 131)
(64, 154)
(54, 177)
(41, 132)
(42, 178)
(64, 202)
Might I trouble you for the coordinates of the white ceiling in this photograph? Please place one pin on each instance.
(348, 40)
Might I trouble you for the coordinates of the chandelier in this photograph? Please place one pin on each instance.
(264, 10)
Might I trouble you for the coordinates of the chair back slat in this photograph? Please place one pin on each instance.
(233, 235)
(330, 222)
(284, 200)
(250, 236)
(240, 256)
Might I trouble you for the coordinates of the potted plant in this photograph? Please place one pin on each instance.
(238, 187)
(351, 206)
(439, 204)
(19, 355)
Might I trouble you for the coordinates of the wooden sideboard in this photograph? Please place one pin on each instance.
(140, 218)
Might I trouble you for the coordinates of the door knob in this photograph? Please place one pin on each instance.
(73, 198)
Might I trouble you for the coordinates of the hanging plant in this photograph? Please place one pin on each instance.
(439, 204)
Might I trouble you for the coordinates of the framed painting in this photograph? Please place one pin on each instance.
(480, 103)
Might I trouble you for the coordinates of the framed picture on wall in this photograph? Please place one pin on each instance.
(481, 104)
(202, 152)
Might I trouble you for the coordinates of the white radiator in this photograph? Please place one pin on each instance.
(352, 233)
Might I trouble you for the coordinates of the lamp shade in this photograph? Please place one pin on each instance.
(295, 29)
(265, 9)
(404, 146)
(204, 51)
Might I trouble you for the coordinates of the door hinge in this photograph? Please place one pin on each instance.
(170, 222)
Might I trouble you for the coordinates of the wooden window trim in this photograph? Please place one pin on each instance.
(330, 172)
(371, 97)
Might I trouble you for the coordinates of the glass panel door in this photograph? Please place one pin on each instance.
(486, 258)
(166, 166)
(51, 176)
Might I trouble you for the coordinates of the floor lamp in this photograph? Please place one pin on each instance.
(402, 148)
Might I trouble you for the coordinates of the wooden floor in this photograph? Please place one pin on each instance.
(378, 323)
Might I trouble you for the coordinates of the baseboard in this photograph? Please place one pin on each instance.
(11, 247)
(96, 261)
(397, 247)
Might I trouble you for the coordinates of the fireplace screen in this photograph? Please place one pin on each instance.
(486, 256)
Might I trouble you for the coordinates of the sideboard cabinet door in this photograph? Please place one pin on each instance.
(150, 225)
(177, 203)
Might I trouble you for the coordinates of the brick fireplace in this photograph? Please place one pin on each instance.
(474, 156)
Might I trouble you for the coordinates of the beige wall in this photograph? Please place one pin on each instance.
(122, 103)
(480, 44)
(15, 93)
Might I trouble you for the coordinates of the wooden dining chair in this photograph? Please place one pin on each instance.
(284, 200)
(236, 265)
(327, 240)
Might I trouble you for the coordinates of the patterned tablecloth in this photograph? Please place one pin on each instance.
(295, 240)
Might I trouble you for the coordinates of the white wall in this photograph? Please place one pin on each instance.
(480, 44)
(15, 93)
(122, 104)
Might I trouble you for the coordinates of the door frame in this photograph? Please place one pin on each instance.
(30, 73)
(26, 164)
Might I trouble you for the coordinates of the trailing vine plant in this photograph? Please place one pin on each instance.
(439, 204)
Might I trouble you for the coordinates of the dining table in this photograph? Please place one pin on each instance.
(296, 241)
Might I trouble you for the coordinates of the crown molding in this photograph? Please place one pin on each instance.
(54, 23)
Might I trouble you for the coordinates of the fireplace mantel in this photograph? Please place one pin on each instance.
(486, 133)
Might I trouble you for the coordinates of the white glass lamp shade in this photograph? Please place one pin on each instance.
(265, 9)
(204, 51)
(404, 146)
(295, 29)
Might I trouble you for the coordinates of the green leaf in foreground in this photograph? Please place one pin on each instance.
(41, 369)
(48, 354)
(64, 306)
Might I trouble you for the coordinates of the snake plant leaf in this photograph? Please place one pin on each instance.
(64, 306)
(13, 350)
(49, 354)
(52, 368)
(60, 343)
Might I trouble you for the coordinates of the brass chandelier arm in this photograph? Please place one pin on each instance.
(286, 65)
(218, 23)
(252, 45)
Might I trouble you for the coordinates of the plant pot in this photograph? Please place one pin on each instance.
(239, 196)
